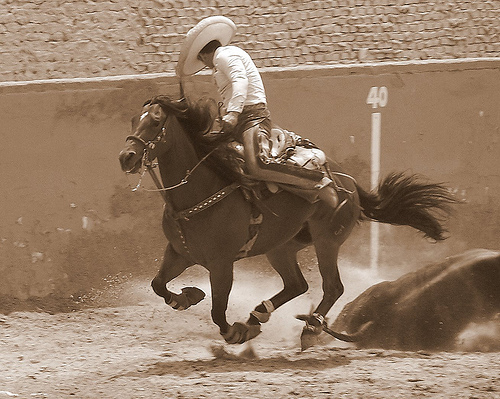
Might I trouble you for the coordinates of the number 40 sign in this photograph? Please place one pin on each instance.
(377, 97)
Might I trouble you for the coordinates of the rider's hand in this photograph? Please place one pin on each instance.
(229, 121)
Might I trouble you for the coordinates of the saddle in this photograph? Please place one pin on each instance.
(291, 148)
(288, 153)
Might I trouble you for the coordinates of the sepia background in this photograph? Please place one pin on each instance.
(78, 247)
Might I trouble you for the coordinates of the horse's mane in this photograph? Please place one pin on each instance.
(196, 118)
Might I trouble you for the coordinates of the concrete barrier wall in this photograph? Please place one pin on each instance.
(70, 222)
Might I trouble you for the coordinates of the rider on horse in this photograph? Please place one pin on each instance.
(247, 118)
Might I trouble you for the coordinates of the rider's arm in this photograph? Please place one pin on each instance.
(232, 67)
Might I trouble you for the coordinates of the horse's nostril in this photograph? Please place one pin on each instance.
(126, 155)
(126, 159)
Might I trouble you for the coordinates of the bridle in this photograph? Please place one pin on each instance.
(147, 162)
(151, 144)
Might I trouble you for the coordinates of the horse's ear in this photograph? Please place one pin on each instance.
(180, 107)
(156, 112)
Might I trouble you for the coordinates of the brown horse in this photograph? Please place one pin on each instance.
(208, 218)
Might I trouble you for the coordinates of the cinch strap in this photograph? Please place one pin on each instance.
(206, 203)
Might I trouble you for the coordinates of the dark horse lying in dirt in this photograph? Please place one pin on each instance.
(208, 219)
(427, 308)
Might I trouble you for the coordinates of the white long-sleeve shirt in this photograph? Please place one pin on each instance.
(237, 78)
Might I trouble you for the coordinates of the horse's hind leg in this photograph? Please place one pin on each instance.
(172, 266)
(327, 249)
(284, 261)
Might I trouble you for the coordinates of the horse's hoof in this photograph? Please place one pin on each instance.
(193, 294)
(239, 333)
(308, 339)
(311, 331)
(189, 296)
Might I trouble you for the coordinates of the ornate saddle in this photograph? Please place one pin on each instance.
(289, 147)
(288, 153)
(286, 148)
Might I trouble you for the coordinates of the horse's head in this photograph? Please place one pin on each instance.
(152, 129)
(147, 139)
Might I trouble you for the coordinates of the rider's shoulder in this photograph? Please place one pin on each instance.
(228, 51)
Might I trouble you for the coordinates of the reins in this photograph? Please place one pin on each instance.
(148, 165)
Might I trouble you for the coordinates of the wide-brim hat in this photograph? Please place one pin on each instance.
(212, 28)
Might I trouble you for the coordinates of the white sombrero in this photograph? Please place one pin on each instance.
(212, 28)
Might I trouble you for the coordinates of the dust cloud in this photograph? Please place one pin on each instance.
(255, 281)
(480, 337)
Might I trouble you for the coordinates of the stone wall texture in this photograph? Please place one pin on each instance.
(49, 39)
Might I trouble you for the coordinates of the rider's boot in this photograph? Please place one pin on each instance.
(329, 196)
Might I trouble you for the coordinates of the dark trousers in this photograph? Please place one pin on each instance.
(253, 131)
(253, 115)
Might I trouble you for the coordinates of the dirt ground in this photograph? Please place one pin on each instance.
(126, 343)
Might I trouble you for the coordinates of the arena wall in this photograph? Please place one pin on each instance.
(47, 39)
(72, 73)
(70, 221)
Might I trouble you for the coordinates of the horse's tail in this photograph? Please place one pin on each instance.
(404, 200)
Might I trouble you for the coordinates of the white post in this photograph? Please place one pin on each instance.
(377, 97)
(374, 179)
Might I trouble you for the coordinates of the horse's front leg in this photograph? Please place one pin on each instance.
(221, 281)
(172, 266)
